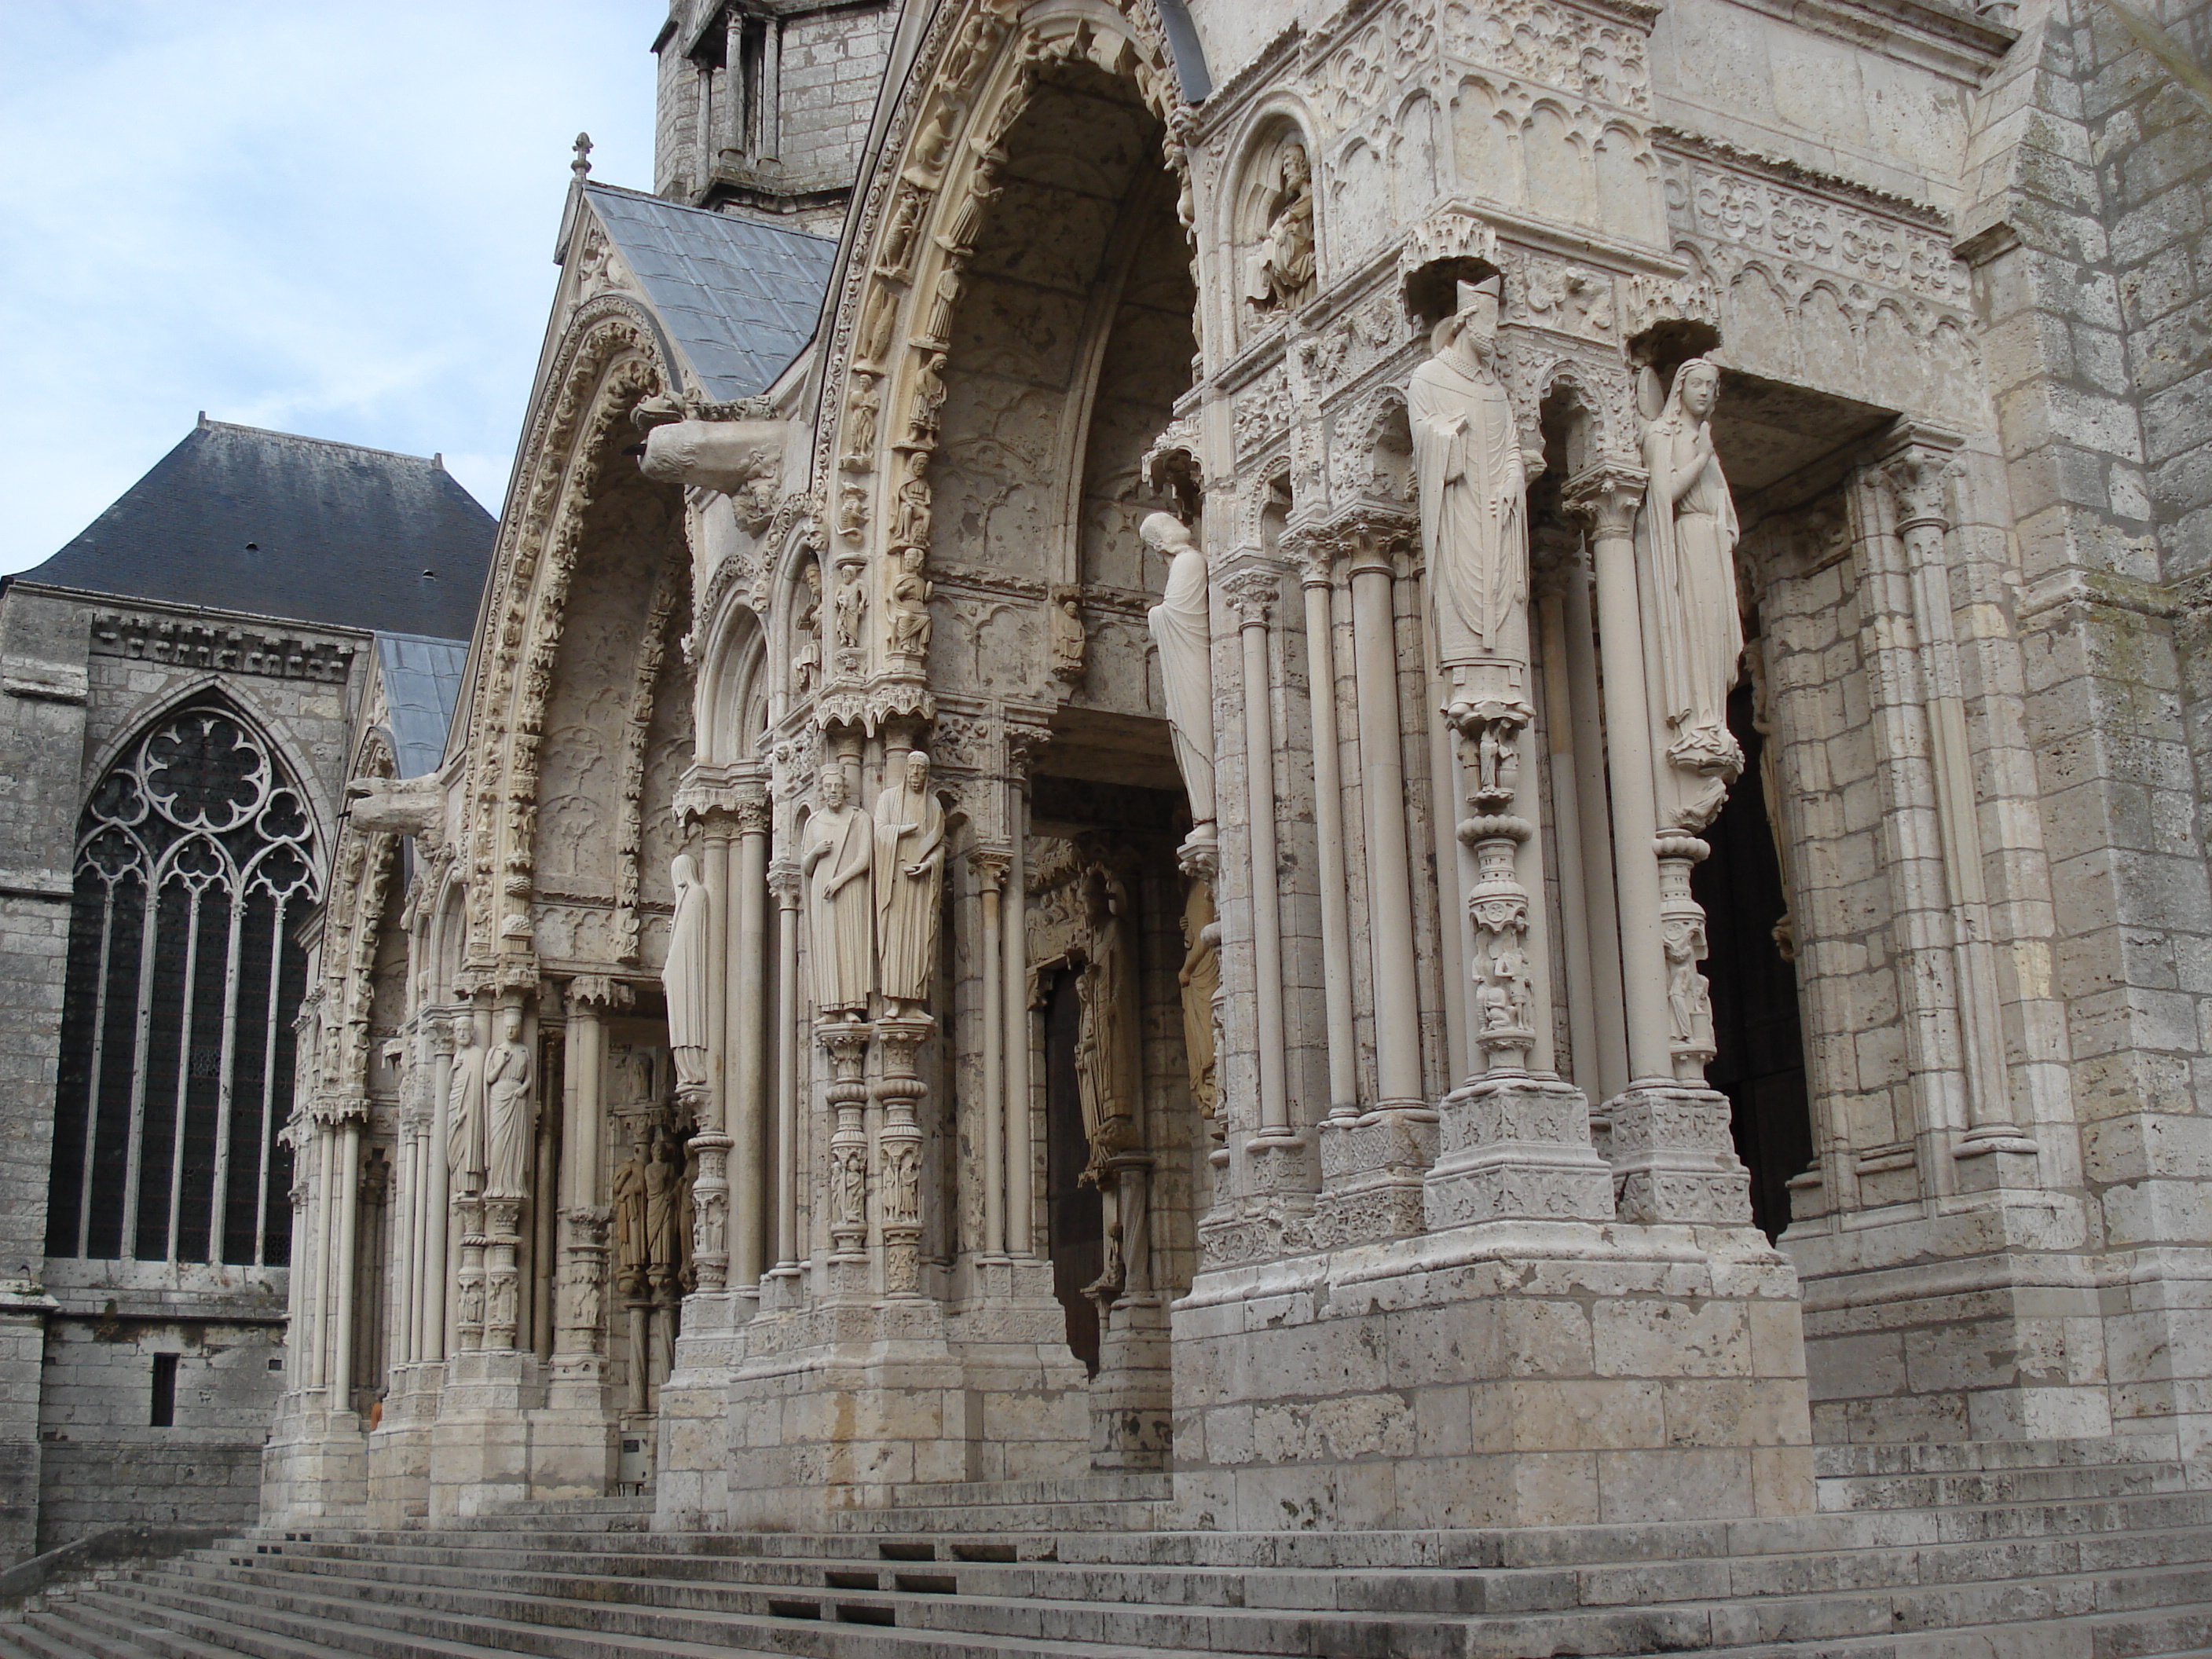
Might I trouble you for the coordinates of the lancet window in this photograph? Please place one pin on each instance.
(195, 862)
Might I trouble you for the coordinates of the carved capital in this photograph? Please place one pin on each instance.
(1251, 593)
(991, 863)
(600, 993)
(1918, 470)
(783, 881)
(751, 810)
(1606, 497)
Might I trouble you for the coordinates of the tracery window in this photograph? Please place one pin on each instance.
(195, 864)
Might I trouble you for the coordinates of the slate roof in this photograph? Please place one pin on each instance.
(421, 688)
(236, 518)
(740, 299)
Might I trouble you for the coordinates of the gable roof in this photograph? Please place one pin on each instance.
(738, 298)
(421, 688)
(236, 518)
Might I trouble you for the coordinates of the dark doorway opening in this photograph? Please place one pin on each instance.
(1074, 1215)
(1760, 1061)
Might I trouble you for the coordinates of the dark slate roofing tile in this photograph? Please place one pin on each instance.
(238, 518)
(740, 297)
(421, 688)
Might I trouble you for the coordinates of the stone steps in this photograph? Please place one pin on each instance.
(695, 1577)
(1624, 1614)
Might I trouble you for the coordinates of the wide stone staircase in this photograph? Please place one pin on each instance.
(2046, 1552)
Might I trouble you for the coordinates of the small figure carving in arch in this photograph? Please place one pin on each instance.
(1280, 267)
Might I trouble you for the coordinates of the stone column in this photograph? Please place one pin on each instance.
(1013, 920)
(1382, 771)
(1603, 1073)
(1672, 1154)
(345, 1259)
(437, 1195)
(1917, 474)
(407, 1180)
(1606, 498)
(784, 882)
(748, 1048)
(1252, 593)
(708, 1106)
(580, 1355)
(846, 1042)
(1329, 830)
(991, 865)
(899, 1092)
(1567, 808)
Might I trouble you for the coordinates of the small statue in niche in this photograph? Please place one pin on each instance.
(510, 1117)
(806, 654)
(851, 603)
(853, 512)
(898, 236)
(910, 509)
(1685, 537)
(1067, 637)
(464, 1108)
(929, 402)
(910, 592)
(909, 868)
(663, 1232)
(860, 417)
(633, 1249)
(684, 975)
(836, 864)
(1689, 1000)
(1281, 269)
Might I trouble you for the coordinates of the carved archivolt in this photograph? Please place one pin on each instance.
(921, 216)
(609, 364)
(645, 681)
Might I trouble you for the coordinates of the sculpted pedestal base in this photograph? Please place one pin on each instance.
(1131, 1419)
(315, 1467)
(398, 1452)
(837, 1406)
(1518, 1373)
(1372, 1169)
(480, 1446)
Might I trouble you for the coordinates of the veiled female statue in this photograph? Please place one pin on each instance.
(910, 874)
(510, 1120)
(464, 1108)
(1686, 535)
(1182, 630)
(1474, 522)
(684, 975)
(839, 856)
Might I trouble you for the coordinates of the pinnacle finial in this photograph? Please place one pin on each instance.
(581, 167)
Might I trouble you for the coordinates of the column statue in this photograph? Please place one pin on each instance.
(1104, 1043)
(1686, 535)
(836, 863)
(910, 869)
(663, 1238)
(1200, 977)
(464, 1108)
(684, 975)
(632, 1247)
(1182, 630)
(1474, 525)
(509, 1119)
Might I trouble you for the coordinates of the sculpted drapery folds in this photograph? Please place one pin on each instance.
(836, 863)
(1182, 630)
(909, 867)
(465, 1107)
(1474, 530)
(1282, 267)
(509, 1119)
(1105, 1051)
(684, 975)
(1686, 539)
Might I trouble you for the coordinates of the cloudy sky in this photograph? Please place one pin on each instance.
(331, 219)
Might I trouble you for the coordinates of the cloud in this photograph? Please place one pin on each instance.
(333, 219)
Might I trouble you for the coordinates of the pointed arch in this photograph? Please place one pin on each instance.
(197, 858)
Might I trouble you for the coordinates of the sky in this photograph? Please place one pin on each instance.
(329, 219)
